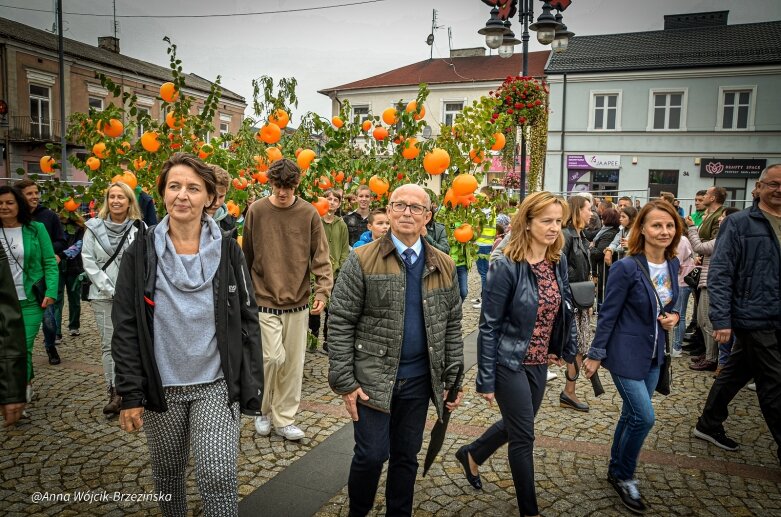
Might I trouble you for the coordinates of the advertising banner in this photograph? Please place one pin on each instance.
(729, 168)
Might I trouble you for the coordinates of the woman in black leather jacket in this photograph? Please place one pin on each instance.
(525, 324)
(576, 249)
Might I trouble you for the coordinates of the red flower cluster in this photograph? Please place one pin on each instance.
(512, 180)
(523, 98)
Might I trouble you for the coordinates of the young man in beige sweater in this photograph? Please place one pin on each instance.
(284, 243)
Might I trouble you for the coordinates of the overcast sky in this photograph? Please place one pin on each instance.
(329, 47)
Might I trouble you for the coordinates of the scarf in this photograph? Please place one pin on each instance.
(171, 265)
(114, 231)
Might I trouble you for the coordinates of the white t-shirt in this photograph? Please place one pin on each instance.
(660, 278)
(11, 239)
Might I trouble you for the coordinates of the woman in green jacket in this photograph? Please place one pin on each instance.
(31, 257)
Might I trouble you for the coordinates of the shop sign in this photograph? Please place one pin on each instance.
(729, 168)
(593, 161)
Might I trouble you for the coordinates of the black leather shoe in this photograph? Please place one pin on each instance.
(566, 402)
(630, 496)
(54, 357)
(462, 455)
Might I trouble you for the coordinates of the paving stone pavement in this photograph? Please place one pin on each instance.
(68, 450)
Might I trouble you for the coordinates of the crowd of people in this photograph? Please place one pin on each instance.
(197, 329)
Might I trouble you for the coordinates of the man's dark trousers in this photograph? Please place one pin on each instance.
(757, 354)
(398, 435)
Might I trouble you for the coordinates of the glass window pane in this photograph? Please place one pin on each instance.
(727, 123)
(598, 119)
(612, 100)
(41, 91)
(660, 100)
(34, 109)
(675, 118)
(675, 99)
(659, 118)
(742, 118)
(454, 106)
(729, 98)
(744, 97)
(611, 119)
(599, 101)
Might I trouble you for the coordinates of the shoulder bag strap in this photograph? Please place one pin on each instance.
(658, 300)
(118, 249)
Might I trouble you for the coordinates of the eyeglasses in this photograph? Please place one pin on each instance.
(400, 206)
(772, 185)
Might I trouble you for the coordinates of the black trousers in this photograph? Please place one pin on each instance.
(757, 354)
(519, 395)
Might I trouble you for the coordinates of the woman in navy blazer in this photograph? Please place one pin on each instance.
(630, 335)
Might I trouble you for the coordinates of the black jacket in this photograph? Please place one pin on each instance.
(509, 314)
(744, 279)
(236, 315)
(53, 227)
(13, 352)
(356, 225)
(147, 206)
(576, 251)
(597, 252)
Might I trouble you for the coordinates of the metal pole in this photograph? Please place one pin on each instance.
(63, 143)
(526, 13)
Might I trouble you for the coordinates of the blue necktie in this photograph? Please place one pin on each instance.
(409, 254)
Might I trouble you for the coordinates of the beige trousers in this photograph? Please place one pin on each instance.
(284, 348)
(703, 306)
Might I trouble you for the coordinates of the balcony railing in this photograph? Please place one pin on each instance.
(33, 129)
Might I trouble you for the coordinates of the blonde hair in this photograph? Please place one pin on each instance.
(133, 211)
(519, 246)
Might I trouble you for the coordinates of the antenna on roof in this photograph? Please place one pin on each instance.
(434, 27)
(450, 39)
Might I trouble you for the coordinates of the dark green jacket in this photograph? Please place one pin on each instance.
(366, 322)
(13, 352)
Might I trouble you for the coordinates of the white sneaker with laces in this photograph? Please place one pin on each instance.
(29, 393)
(290, 432)
(551, 376)
(263, 425)
(676, 353)
(477, 305)
(752, 386)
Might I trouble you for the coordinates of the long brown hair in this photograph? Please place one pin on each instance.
(519, 246)
(636, 243)
(576, 202)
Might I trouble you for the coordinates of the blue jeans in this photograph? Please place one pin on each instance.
(463, 276)
(725, 349)
(681, 305)
(637, 419)
(482, 265)
(398, 436)
(50, 325)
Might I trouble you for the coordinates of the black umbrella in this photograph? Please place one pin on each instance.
(440, 428)
(596, 384)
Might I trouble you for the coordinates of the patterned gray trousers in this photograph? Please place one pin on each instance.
(199, 414)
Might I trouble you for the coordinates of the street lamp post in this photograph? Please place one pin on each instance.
(550, 30)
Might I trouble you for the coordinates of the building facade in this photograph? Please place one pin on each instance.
(30, 88)
(679, 110)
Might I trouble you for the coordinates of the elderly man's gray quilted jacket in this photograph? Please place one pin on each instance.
(366, 322)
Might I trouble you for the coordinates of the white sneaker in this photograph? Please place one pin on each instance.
(290, 432)
(263, 425)
(551, 376)
(676, 353)
(752, 386)
(477, 305)
(29, 393)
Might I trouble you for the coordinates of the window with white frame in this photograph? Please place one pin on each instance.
(605, 112)
(40, 111)
(360, 112)
(450, 111)
(96, 103)
(736, 108)
(224, 130)
(140, 130)
(668, 110)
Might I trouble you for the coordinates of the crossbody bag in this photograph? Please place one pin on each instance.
(86, 283)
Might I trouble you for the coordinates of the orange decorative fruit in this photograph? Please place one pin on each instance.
(233, 208)
(270, 133)
(168, 92)
(261, 177)
(240, 183)
(47, 164)
(321, 205)
(390, 116)
(324, 183)
(476, 156)
(464, 233)
(366, 125)
(173, 121)
(412, 106)
(70, 205)
(305, 158)
(378, 185)
(124, 147)
(339, 177)
(150, 142)
(128, 178)
(280, 118)
(499, 142)
(99, 150)
(380, 133)
(273, 154)
(436, 161)
(112, 129)
(450, 199)
(464, 184)
(93, 163)
(139, 163)
(410, 149)
(337, 122)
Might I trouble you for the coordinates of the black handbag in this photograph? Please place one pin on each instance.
(692, 279)
(583, 294)
(666, 372)
(86, 283)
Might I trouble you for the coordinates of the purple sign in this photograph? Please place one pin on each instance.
(577, 161)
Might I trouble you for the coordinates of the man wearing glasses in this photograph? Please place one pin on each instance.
(395, 325)
(745, 290)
